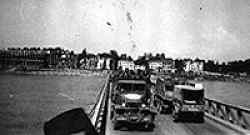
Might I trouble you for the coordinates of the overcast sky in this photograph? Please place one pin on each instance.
(209, 29)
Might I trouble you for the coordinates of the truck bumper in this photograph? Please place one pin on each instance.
(191, 116)
(134, 124)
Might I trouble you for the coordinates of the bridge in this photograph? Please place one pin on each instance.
(220, 119)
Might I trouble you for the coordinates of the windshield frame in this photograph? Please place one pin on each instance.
(193, 95)
(131, 87)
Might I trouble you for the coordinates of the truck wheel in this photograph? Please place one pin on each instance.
(175, 115)
(175, 118)
(168, 110)
(111, 114)
(116, 126)
(155, 101)
(160, 109)
(201, 118)
(148, 127)
(171, 108)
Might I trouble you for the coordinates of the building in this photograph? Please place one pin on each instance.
(196, 66)
(140, 67)
(67, 60)
(155, 64)
(105, 61)
(168, 66)
(161, 64)
(126, 64)
(24, 58)
(89, 62)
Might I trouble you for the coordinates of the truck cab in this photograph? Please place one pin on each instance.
(131, 100)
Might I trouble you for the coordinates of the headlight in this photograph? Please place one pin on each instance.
(123, 104)
(169, 94)
(147, 118)
(121, 117)
(143, 105)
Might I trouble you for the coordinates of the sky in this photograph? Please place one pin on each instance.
(208, 29)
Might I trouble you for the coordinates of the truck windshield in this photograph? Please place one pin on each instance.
(193, 96)
(131, 87)
(169, 87)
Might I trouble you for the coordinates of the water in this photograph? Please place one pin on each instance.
(26, 102)
(228, 92)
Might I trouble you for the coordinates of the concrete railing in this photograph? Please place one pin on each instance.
(97, 103)
(228, 114)
(98, 113)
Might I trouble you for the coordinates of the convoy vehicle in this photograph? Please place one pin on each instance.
(163, 94)
(188, 102)
(153, 79)
(131, 105)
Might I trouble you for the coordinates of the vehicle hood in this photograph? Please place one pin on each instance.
(133, 96)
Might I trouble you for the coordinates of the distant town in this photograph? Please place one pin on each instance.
(26, 59)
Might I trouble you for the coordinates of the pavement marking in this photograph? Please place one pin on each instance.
(67, 96)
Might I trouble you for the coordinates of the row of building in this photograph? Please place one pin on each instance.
(37, 58)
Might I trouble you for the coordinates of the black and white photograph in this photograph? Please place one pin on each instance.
(124, 67)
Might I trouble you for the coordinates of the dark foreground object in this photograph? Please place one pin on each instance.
(134, 126)
(70, 122)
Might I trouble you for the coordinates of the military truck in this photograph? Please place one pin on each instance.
(131, 105)
(163, 94)
(188, 102)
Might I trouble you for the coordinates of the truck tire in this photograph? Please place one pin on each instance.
(155, 101)
(201, 118)
(149, 128)
(111, 114)
(159, 107)
(116, 126)
(175, 115)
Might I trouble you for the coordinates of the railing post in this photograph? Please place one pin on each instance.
(233, 114)
(242, 120)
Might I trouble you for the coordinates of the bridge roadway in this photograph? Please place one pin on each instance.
(164, 125)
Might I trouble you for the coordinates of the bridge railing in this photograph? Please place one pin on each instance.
(233, 114)
(98, 112)
(92, 111)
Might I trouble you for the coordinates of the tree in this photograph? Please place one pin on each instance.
(123, 56)
(163, 56)
(179, 65)
(84, 53)
(114, 63)
(209, 66)
(158, 56)
(114, 54)
(130, 58)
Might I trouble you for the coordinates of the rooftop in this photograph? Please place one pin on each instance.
(188, 87)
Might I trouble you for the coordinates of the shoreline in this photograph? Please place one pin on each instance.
(78, 72)
(57, 73)
(233, 80)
